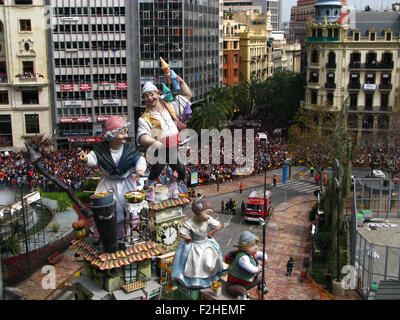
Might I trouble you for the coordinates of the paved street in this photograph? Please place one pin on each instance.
(287, 234)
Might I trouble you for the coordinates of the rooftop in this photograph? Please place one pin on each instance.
(378, 20)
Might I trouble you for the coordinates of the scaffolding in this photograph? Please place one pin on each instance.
(375, 233)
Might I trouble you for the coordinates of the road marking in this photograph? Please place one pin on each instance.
(228, 222)
(228, 242)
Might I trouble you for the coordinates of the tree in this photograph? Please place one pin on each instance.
(207, 115)
(281, 94)
(223, 96)
(338, 187)
(311, 138)
(40, 142)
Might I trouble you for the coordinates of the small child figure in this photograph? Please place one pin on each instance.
(243, 272)
(198, 259)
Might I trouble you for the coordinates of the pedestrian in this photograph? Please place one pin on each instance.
(234, 207)
(289, 267)
(222, 206)
(243, 207)
(324, 179)
(275, 178)
(311, 171)
(316, 178)
(241, 187)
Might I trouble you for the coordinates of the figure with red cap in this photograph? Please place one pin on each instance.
(159, 126)
(198, 259)
(119, 162)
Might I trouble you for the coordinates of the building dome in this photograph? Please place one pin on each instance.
(329, 9)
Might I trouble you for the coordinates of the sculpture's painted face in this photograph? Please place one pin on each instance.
(252, 248)
(120, 138)
(150, 98)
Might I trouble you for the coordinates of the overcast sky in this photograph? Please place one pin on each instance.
(358, 4)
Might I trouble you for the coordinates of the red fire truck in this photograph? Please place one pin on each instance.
(255, 205)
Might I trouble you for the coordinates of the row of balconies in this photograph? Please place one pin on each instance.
(357, 86)
(359, 65)
(371, 108)
(377, 65)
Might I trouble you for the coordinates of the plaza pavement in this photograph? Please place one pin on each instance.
(287, 234)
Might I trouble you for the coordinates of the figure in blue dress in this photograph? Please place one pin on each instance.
(198, 259)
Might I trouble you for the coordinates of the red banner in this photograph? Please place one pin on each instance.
(67, 87)
(104, 118)
(65, 119)
(77, 119)
(86, 140)
(85, 87)
(121, 85)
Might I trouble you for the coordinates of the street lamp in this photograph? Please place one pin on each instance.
(263, 223)
(336, 169)
(19, 164)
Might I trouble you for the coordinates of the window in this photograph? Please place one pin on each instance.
(388, 36)
(5, 131)
(314, 56)
(356, 36)
(32, 123)
(353, 100)
(30, 97)
(146, 14)
(27, 66)
(372, 36)
(329, 99)
(23, 2)
(314, 97)
(4, 97)
(369, 98)
(25, 25)
(384, 100)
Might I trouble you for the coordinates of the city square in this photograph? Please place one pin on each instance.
(199, 150)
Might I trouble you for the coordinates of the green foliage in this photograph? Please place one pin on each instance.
(311, 138)
(12, 244)
(83, 196)
(207, 115)
(281, 94)
(63, 204)
(90, 184)
(55, 227)
(313, 213)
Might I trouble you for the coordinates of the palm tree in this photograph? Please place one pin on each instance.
(207, 115)
(223, 96)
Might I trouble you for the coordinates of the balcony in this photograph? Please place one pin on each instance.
(369, 109)
(386, 65)
(32, 81)
(386, 108)
(322, 39)
(354, 86)
(369, 86)
(374, 66)
(330, 65)
(329, 85)
(385, 86)
(355, 65)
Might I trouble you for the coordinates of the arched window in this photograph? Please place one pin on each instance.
(368, 121)
(314, 56)
(331, 58)
(352, 121)
(383, 121)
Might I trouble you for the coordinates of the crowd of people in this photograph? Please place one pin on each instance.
(65, 164)
(62, 164)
